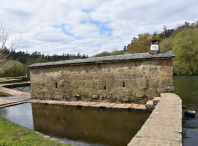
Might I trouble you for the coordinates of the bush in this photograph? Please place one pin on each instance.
(14, 68)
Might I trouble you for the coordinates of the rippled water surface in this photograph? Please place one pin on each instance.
(23, 89)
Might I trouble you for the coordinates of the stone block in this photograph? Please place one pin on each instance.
(156, 100)
(119, 106)
(153, 68)
(128, 76)
(110, 105)
(153, 83)
(163, 82)
(151, 92)
(167, 67)
(139, 92)
(142, 83)
(149, 105)
(140, 107)
(190, 113)
(136, 75)
(166, 89)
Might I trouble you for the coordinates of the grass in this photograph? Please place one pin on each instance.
(16, 82)
(3, 94)
(13, 134)
(3, 79)
(7, 78)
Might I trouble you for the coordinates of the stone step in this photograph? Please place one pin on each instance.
(156, 100)
(149, 105)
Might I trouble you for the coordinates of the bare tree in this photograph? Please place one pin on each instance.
(5, 35)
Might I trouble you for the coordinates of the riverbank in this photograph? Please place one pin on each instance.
(13, 134)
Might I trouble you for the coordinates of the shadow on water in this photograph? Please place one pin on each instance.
(78, 126)
(187, 88)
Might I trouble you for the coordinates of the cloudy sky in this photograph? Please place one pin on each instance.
(89, 26)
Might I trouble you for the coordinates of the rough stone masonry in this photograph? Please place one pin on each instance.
(127, 78)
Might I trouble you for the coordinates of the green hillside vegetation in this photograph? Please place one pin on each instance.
(182, 41)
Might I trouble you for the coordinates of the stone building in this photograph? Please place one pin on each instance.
(133, 78)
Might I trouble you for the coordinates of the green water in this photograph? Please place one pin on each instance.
(91, 126)
(187, 88)
(78, 126)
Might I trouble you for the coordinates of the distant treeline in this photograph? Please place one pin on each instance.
(182, 41)
(18, 61)
(37, 57)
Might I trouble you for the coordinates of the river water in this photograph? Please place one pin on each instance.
(187, 88)
(78, 126)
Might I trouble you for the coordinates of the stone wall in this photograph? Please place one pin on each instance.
(134, 81)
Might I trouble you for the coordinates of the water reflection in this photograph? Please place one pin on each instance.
(19, 114)
(186, 87)
(78, 126)
(90, 125)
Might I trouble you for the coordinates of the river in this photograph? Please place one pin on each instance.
(187, 88)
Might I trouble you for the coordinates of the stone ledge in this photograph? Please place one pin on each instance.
(156, 100)
(83, 104)
(164, 126)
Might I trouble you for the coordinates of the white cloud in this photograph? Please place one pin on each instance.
(90, 27)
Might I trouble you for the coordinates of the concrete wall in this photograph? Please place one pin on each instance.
(124, 81)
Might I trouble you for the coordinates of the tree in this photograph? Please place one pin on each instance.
(166, 44)
(140, 44)
(125, 48)
(16, 69)
(6, 53)
(186, 52)
(39, 60)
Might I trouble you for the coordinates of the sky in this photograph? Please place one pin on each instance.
(89, 26)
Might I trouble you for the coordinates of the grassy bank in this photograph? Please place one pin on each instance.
(16, 82)
(3, 94)
(13, 134)
(7, 78)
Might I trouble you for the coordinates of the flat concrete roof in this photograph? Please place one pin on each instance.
(138, 56)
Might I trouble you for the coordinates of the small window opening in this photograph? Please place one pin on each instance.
(105, 88)
(56, 84)
(123, 84)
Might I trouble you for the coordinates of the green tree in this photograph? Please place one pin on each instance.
(185, 48)
(140, 44)
(40, 60)
(166, 44)
(14, 68)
